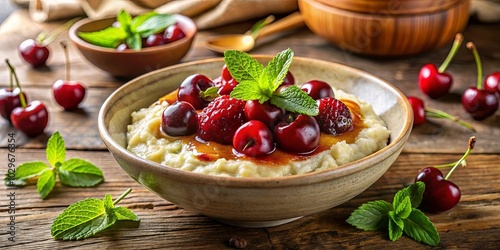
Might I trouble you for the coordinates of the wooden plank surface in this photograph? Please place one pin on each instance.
(473, 224)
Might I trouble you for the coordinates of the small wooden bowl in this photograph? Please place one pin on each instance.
(386, 28)
(131, 63)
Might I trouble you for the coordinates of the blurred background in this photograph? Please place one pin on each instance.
(7, 8)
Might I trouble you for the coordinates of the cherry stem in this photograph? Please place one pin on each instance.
(248, 144)
(44, 38)
(472, 142)
(456, 45)
(13, 73)
(11, 79)
(66, 57)
(472, 47)
(435, 113)
(122, 196)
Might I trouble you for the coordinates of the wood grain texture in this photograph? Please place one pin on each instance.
(472, 224)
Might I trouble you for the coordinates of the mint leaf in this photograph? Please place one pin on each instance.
(276, 70)
(138, 20)
(46, 183)
(155, 24)
(125, 19)
(25, 172)
(372, 215)
(123, 213)
(248, 90)
(134, 41)
(395, 227)
(56, 150)
(242, 66)
(414, 191)
(80, 173)
(418, 227)
(295, 100)
(109, 37)
(88, 217)
(403, 209)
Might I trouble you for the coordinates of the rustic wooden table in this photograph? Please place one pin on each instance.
(473, 224)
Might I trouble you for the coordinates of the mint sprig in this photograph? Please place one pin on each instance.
(74, 172)
(402, 216)
(131, 30)
(257, 82)
(88, 217)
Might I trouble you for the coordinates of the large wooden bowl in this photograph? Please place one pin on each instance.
(256, 202)
(386, 28)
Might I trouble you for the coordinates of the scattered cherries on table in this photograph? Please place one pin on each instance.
(30, 118)
(10, 99)
(435, 82)
(420, 113)
(67, 93)
(440, 194)
(479, 102)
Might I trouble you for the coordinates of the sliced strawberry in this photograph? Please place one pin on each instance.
(334, 116)
(220, 119)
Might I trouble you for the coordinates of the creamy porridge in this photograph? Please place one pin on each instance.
(146, 140)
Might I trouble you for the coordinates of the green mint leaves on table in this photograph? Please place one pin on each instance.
(257, 82)
(402, 216)
(87, 217)
(74, 172)
(131, 30)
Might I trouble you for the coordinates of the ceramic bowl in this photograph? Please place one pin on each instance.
(131, 63)
(256, 202)
(386, 28)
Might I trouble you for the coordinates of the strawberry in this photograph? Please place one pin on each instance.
(220, 119)
(334, 116)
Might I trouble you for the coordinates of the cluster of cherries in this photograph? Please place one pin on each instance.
(480, 101)
(32, 117)
(252, 128)
(171, 34)
(441, 194)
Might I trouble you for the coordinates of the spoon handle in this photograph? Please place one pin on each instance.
(291, 21)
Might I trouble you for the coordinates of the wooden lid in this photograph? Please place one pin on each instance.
(392, 7)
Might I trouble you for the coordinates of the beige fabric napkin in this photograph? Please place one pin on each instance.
(206, 13)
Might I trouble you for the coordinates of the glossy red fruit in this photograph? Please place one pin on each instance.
(122, 47)
(191, 90)
(179, 119)
(225, 74)
(298, 134)
(436, 82)
(440, 196)
(334, 116)
(33, 53)
(418, 108)
(479, 103)
(289, 79)
(265, 112)
(317, 89)
(226, 87)
(154, 40)
(68, 94)
(9, 99)
(220, 119)
(429, 174)
(492, 82)
(173, 33)
(253, 139)
(32, 120)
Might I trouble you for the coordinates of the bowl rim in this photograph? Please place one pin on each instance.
(190, 34)
(257, 182)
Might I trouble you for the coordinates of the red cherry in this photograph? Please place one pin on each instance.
(478, 102)
(122, 47)
(191, 90)
(420, 114)
(298, 134)
(69, 94)
(253, 139)
(32, 119)
(429, 174)
(436, 82)
(265, 112)
(225, 74)
(492, 82)
(289, 79)
(33, 53)
(9, 99)
(154, 40)
(317, 89)
(173, 33)
(178, 119)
